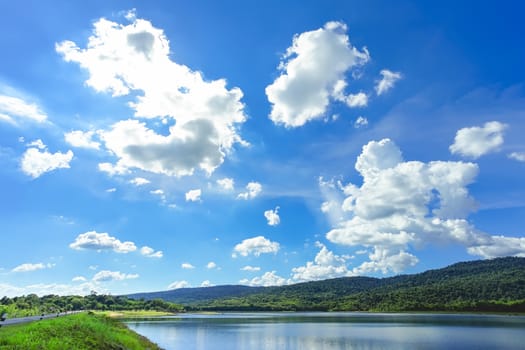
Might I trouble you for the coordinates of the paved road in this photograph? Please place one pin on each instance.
(11, 321)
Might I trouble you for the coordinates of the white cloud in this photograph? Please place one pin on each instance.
(403, 205)
(93, 240)
(139, 181)
(477, 141)
(35, 162)
(497, 246)
(313, 72)
(7, 119)
(41, 289)
(387, 81)
(325, 265)
(253, 189)
(329, 206)
(378, 156)
(28, 267)
(256, 246)
(189, 146)
(135, 59)
(106, 276)
(226, 183)
(112, 169)
(356, 100)
(519, 156)
(383, 260)
(193, 195)
(211, 265)
(360, 122)
(272, 216)
(38, 144)
(187, 266)
(266, 280)
(111, 190)
(81, 139)
(351, 100)
(251, 268)
(150, 252)
(79, 279)
(10, 290)
(13, 109)
(178, 285)
(206, 284)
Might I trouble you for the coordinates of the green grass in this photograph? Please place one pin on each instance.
(80, 331)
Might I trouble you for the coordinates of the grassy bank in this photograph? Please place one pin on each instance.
(80, 331)
(133, 313)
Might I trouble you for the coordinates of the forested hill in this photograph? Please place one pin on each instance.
(189, 296)
(483, 285)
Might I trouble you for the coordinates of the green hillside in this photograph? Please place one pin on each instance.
(484, 285)
(189, 296)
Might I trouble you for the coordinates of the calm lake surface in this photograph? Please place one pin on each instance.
(325, 331)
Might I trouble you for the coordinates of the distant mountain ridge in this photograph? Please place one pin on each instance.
(189, 296)
(482, 285)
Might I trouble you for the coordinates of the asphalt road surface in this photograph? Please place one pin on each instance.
(11, 321)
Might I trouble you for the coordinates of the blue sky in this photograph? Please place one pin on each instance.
(153, 146)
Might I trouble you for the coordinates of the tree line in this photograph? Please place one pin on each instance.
(496, 285)
(28, 305)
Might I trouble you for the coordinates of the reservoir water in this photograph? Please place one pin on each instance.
(330, 331)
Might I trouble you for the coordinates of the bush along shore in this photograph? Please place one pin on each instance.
(79, 331)
(31, 305)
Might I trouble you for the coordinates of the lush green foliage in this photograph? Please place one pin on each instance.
(33, 305)
(80, 331)
(487, 285)
(188, 296)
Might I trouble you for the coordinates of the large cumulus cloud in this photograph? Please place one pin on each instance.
(403, 205)
(135, 59)
(313, 73)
